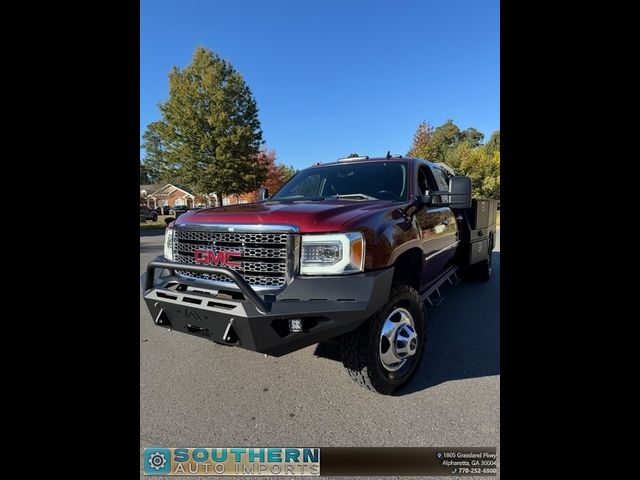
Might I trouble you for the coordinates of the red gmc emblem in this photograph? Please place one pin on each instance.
(221, 258)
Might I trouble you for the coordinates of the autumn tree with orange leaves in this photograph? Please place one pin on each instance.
(277, 173)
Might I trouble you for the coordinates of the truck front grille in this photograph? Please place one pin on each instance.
(263, 256)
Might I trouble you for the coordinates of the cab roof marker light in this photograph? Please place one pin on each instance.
(348, 159)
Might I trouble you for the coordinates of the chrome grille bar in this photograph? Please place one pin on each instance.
(266, 260)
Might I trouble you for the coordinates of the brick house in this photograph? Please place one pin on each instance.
(170, 195)
(237, 199)
(173, 195)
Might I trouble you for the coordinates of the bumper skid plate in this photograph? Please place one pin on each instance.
(327, 306)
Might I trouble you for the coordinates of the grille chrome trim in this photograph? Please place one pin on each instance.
(239, 227)
(267, 260)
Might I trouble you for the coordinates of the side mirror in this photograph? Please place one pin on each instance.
(458, 195)
(263, 193)
(460, 192)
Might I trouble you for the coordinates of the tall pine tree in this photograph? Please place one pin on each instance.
(210, 134)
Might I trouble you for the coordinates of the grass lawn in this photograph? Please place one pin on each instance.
(149, 225)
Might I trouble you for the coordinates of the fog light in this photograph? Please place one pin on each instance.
(295, 325)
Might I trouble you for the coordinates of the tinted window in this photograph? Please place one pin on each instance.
(442, 182)
(423, 180)
(379, 180)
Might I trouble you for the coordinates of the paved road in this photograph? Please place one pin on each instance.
(197, 393)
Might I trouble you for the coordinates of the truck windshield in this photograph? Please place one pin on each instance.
(357, 181)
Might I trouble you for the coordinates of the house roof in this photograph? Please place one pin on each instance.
(149, 188)
(186, 190)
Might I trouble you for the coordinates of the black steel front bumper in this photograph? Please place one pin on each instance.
(327, 306)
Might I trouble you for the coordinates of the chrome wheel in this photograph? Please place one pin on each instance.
(398, 339)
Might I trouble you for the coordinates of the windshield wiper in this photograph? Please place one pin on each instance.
(354, 195)
(301, 198)
(296, 198)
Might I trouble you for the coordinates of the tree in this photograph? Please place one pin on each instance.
(472, 136)
(464, 151)
(156, 162)
(421, 146)
(277, 174)
(285, 172)
(448, 133)
(445, 137)
(145, 176)
(209, 136)
(433, 143)
(353, 155)
(493, 144)
(480, 165)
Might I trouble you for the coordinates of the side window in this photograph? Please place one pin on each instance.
(423, 180)
(442, 182)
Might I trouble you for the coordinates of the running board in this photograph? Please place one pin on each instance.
(434, 302)
(450, 275)
(454, 279)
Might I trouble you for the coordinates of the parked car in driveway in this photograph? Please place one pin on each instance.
(147, 213)
(163, 210)
(179, 210)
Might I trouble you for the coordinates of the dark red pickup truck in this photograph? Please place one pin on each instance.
(347, 251)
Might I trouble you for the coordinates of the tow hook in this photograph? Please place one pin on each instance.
(229, 334)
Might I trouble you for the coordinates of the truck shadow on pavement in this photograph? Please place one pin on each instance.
(152, 233)
(463, 335)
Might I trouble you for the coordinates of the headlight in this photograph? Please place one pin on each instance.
(332, 254)
(168, 244)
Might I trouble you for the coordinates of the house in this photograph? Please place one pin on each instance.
(170, 195)
(159, 195)
(238, 199)
(146, 190)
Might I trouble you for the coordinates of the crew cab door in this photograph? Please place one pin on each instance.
(437, 226)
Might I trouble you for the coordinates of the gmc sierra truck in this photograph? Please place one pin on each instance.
(347, 251)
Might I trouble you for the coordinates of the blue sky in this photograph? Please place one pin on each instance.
(333, 77)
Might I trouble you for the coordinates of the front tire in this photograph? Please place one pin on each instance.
(385, 351)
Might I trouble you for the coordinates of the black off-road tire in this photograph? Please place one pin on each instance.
(361, 352)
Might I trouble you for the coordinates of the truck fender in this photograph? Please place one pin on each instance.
(405, 247)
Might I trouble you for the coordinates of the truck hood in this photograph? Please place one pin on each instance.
(311, 216)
